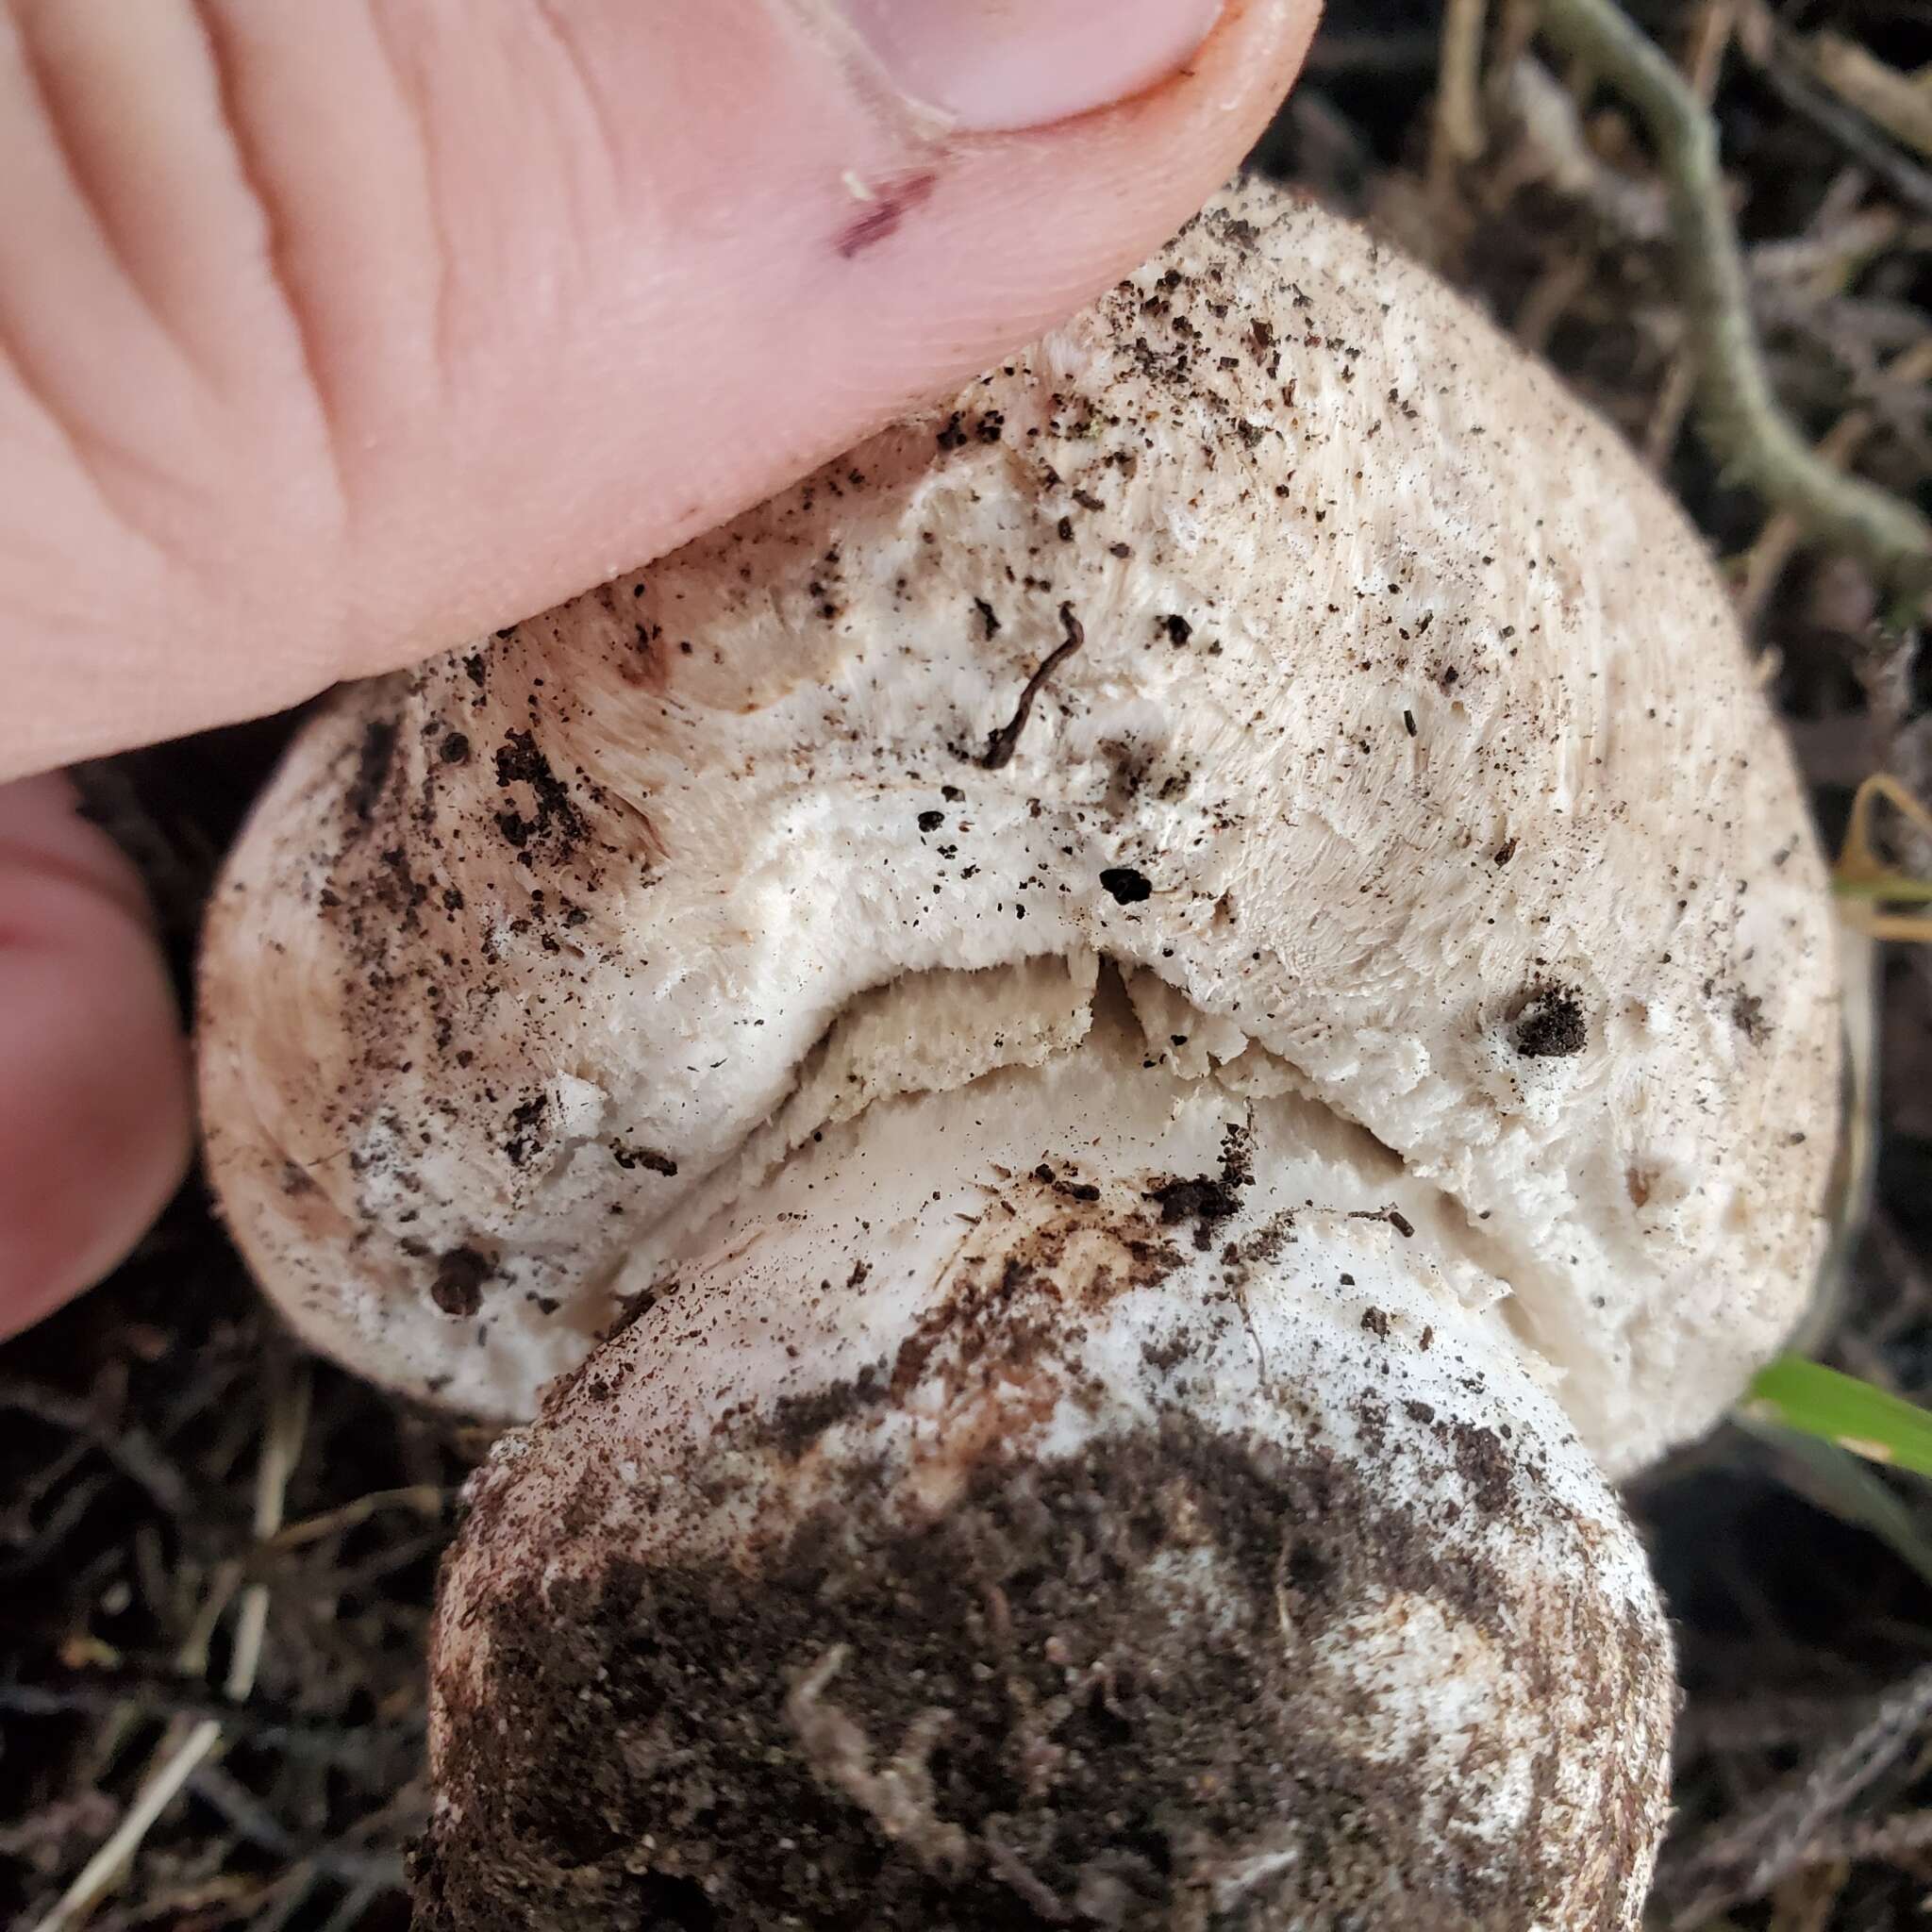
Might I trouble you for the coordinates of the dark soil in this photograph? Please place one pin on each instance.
(130, 1426)
(1014, 1717)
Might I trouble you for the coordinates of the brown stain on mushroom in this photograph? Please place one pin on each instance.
(645, 666)
(998, 1319)
(374, 756)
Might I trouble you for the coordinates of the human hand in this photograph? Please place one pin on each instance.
(332, 337)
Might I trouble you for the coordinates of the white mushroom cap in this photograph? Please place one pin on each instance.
(1388, 729)
(1118, 1533)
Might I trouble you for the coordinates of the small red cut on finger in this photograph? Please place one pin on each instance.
(94, 1078)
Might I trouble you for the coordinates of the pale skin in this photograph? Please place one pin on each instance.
(331, 337)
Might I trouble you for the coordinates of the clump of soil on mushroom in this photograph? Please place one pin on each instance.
(1551, 1026)
(943, 1748)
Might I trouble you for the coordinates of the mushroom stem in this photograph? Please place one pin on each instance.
(1162, 1542)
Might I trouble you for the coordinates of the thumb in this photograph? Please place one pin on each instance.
(93, 1094)
(330, 336)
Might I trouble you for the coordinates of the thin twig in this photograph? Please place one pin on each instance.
(126, 1447)
(1516, 22)
(1703, 66)
(242, 1810)
(349, 1914)
(1887, 1839)
(1741, 416)
(386, 1561)
(1782, 536)
(282, 1450)
(101, 1872)
(1757, 1724)
(1667, 416)
(87, 1814)
(1557, 153)
(63, 1520)
(337, 1860)
(290, 1895)
(1549, 299)
(1000, 745)
(190, 1902)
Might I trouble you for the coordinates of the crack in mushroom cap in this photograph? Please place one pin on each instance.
(1405, 756)
(1060, 1566)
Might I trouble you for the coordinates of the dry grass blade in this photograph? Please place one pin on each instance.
(1711, 40)
(1895, 101)
(281, 1448)
(1904, 1835)
(420, 1499)
(304, 1740)
(1793, 75)
(1866, 884)
(1459, 135)
(1744, 1857)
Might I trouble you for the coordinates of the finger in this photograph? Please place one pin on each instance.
(93, 1083)
(332, 336)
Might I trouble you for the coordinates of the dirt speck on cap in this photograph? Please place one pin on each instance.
(457, 1286)
(1551, 1025)
(374, 756)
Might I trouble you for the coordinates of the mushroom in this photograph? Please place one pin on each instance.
(1157, 1021)
(1042, 1504)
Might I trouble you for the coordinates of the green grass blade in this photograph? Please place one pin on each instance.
(1902, 892)
(1847, 1487)
(1868, 1421)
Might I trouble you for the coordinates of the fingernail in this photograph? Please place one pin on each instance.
(997, 64)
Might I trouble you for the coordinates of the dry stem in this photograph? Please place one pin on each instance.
(1741, 416)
